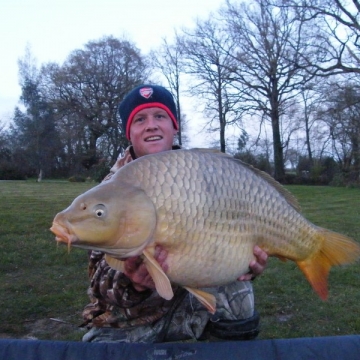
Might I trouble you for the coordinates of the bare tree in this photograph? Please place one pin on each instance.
(311, 99)
(270, 42)
(337, 23)
(342, 113)
(168, 59)
(87, 89)
(210, 68)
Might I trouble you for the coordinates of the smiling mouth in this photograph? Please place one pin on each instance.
(153, 138)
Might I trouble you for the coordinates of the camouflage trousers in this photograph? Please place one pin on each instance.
(235, 319)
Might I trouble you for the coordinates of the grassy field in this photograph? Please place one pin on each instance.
(43, 288)
(39, 281)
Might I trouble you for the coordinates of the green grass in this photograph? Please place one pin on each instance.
(43, 288)
(39, 280)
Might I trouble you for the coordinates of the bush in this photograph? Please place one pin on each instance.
(338, 180)
(77, 178)
(353, 185)
(290, 179)
(321, 171)
(10, 171)
(101, 169)
(259, 161)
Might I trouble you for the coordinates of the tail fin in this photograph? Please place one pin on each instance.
(336, 249)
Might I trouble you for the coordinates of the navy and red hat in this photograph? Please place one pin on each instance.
(142, 97)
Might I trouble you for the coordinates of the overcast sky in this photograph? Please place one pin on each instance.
(54, 28)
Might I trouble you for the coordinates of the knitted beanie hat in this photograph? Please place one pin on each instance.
(142, 97)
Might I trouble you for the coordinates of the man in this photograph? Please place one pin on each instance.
(124, 306)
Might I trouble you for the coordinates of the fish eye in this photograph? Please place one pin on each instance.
(100, 211)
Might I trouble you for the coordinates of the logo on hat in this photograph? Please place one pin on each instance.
(146, 92)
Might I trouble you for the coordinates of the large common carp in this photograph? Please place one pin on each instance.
(208, 211)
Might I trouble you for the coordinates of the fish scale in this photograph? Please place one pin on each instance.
(207, 210)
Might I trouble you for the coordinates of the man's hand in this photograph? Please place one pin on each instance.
(136, 271)
(256, 266)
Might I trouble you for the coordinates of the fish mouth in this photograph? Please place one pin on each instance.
(62, 234)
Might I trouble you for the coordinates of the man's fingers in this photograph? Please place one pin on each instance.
(132, 264)
(160, 256)
(256, 266)
(137, 272)
(261, 255)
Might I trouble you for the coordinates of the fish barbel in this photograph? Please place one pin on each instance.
(208, 211)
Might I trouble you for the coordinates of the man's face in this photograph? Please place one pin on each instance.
(151, 131)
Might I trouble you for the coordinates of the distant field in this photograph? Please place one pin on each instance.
(43, 288)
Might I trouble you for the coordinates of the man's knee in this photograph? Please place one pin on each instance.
(234, 301)
(245, 329)
(235, 318)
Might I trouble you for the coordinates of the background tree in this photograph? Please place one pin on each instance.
(3, 135)
(9, 170)
(33, 139)
(33, 132)
(86, 91)
(337, 24)
(210, 68)
(309, 102)
(269, 43)
(168, 59)
(252, 64)
(342, 113)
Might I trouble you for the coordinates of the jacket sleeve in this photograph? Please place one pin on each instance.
(112, 287)
(114, 300)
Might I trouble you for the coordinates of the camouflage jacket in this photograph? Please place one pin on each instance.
(114, 301)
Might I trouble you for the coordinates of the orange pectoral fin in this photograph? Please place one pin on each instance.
(207, 299)
(162, 282)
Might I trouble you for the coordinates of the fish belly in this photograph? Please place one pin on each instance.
(216, 265)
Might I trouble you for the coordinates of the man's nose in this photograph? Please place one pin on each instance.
(151, 123)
